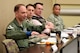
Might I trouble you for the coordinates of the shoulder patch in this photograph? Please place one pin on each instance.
(10, 27)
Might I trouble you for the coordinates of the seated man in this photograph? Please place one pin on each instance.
(37, 15)
(17, 29)
(56, 19)
(37, 12)
(30, 13)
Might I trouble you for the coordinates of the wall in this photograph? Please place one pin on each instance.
(7, 14)
(71, 20)
(68, 1)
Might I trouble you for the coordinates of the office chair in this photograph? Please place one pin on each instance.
(10, 45)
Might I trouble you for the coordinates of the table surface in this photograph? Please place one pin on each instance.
(42, 48)
(38, 49)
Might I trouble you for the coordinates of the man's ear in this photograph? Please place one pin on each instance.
(16, 13)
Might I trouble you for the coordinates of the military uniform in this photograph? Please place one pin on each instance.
(40, 19)
(17, 32)
(57, 21)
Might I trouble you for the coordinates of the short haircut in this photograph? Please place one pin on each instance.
(56, 5)
(29, 5)
(37, 3)
(16, 8)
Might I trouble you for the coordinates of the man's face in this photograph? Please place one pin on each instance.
(30, 11)
(38, 9)
(56, 10)
(21, 14)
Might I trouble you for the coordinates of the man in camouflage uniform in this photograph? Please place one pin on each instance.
(56, 19)
(17, 29)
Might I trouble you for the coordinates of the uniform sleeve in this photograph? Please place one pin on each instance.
(51, 19)
(36, 28)
(39, 28)
(63, 24)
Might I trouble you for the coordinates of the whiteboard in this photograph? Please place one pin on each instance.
(68, 1)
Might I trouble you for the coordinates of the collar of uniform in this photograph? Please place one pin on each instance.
(29, 19)
(55, 15)
(37, 17)
(16, 23)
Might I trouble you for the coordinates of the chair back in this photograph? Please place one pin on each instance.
(4, 35)
(11, 46)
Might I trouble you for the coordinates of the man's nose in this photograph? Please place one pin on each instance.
(25, 14)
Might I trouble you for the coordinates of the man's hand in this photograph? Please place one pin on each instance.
(34, 33)
(49, 25)
(46, 31)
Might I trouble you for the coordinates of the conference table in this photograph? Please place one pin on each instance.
(70, 46)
